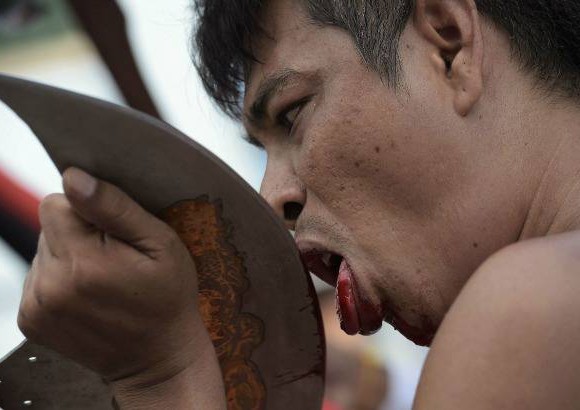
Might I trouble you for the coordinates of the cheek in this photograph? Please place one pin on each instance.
(337, 153)
(370, 153)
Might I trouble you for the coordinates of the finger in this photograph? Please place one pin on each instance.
(28, 302)
(62, 227)
(42, 269)
(111, 210)
(30, 276)
(42, 250)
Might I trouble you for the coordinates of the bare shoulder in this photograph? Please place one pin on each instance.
(512, 338)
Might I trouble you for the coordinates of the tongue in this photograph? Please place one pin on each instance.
(345, 301)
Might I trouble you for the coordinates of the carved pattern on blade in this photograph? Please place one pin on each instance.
(222, 284)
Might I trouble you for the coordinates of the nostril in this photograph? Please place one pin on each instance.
(292, 210)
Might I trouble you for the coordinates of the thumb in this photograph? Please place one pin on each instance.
(111, 210)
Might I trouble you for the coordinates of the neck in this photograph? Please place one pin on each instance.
(555, 204)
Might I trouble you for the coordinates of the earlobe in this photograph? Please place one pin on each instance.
(453, 29)
(468, 84)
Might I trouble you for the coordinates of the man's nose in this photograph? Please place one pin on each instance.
(284, 192)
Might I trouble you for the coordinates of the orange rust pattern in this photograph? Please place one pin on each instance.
(222, 283)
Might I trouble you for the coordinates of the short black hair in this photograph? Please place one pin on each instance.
(544, 36)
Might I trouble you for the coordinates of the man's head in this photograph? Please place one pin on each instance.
(395, 132)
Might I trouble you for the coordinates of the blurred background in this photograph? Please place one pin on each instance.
(138, 53)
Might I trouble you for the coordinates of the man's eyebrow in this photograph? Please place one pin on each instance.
(270, 86)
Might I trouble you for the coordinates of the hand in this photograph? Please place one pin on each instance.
(112, 287)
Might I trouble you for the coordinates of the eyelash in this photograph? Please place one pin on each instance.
(281, 118)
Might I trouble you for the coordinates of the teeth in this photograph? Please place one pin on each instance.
(326, 258)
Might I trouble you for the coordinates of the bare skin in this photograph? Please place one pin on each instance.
(454, 199)
(417, 187)
(111, 287)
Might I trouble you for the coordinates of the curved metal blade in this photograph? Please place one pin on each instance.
(33, 376)
(159, 167)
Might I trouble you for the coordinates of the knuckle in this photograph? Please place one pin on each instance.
(28, 319)
(25, 325)
(26, 308)
(36, 262)
(45, 298)
(42, 252)
(49, 295)
(86, 284)
(53, 203)
(40, 246)
(50, 303)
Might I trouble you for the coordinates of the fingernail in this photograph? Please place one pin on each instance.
(82, 183)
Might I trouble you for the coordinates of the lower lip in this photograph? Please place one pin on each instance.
(356, 315)
(345, 301)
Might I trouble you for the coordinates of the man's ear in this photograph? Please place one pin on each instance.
(453, 28)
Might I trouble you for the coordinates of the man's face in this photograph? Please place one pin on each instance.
(389, 181)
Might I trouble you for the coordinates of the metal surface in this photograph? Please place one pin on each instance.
(159, 167)
(35, 377)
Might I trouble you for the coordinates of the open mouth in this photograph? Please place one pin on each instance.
(323, 264)
(356, 313)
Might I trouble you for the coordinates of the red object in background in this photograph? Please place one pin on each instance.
(103, 20)
(19, 202)
(19, 223)
(328, 405)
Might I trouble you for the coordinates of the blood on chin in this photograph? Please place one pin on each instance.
(356, 313)
(418, 336)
